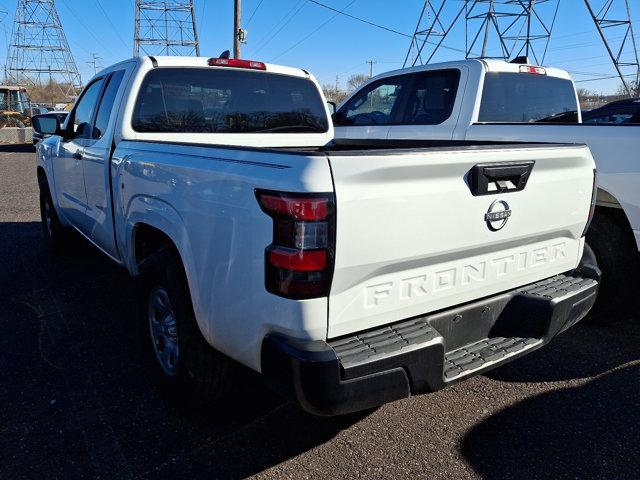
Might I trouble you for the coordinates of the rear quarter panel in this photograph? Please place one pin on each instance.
(204, 199)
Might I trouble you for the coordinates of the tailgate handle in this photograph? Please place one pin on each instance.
(494, 178)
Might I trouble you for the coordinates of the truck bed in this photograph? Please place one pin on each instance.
(376, 146)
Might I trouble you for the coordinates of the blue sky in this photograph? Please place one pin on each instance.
(301, 33)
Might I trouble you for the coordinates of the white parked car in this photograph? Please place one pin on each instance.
(491, 100)
(348, 277)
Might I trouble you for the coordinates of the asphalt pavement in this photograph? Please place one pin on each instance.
(76, 400)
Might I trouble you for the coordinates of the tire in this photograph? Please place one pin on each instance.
(57, 237)
(185, 367)
(616, 255)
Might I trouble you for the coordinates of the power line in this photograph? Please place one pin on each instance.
(202, 17)
(313, 32)
(359, 64)
(253, 13)
(341, 12)
(377, 25)
(99, 42)
(113, 27)
(299, 7)
(602, 78)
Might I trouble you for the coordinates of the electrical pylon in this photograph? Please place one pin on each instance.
(509, 28)
(38, 51)
(493, 28)
(165, 27)
(434, 24)
(615, 27)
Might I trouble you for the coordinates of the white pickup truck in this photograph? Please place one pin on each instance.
(492, 100)
(348, 277)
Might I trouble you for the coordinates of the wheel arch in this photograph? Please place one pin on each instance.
(607, 203)
(606, 199)
(147, 238)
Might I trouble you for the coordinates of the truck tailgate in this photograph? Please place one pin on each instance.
(412, 238)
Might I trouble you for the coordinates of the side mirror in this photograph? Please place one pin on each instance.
(332, 107)
(46, 124)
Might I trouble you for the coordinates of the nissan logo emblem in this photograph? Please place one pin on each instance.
(497, 215)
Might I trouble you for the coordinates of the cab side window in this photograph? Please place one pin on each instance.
(83, 113)
(376, 104)
(106, 104)
(431, 99)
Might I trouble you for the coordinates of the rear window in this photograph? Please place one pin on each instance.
(526, 98)
(210, 100)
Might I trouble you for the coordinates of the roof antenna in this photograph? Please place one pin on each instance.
(225, 54)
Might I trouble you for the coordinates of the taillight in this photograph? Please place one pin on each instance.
(299, 262)
(532, 69)
(594, 197)
(236, 63)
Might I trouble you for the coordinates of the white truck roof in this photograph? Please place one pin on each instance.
(176, 61)
(489, 65)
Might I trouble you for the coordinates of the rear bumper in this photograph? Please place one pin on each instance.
(427, 353)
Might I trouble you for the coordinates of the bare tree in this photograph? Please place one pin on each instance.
(357, 80)
(333, 94)
(633, 86)
(583, 93)
(50, 93)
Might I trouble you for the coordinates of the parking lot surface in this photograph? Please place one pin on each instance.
(76, 400)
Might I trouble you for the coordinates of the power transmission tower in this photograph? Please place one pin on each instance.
(623, 50)
(434, 24)
(506, 29)
(38, 50)
(493, 28)
(94, 63)
(165, 27)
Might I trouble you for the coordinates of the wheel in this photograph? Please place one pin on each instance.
(186, 368)
(56, 236)
(611, 247)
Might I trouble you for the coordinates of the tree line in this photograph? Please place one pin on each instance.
(334, 93)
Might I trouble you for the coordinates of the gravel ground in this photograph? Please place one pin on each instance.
(77, 403)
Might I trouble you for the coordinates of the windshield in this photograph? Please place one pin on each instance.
(524, 98)
(211, 100)
(18, 103)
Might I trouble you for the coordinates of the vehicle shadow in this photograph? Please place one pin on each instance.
(587, 431)
(583, 351)
(17, 148)
(77, 399)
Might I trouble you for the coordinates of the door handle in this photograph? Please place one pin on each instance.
(492, 178)
(77, 156)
